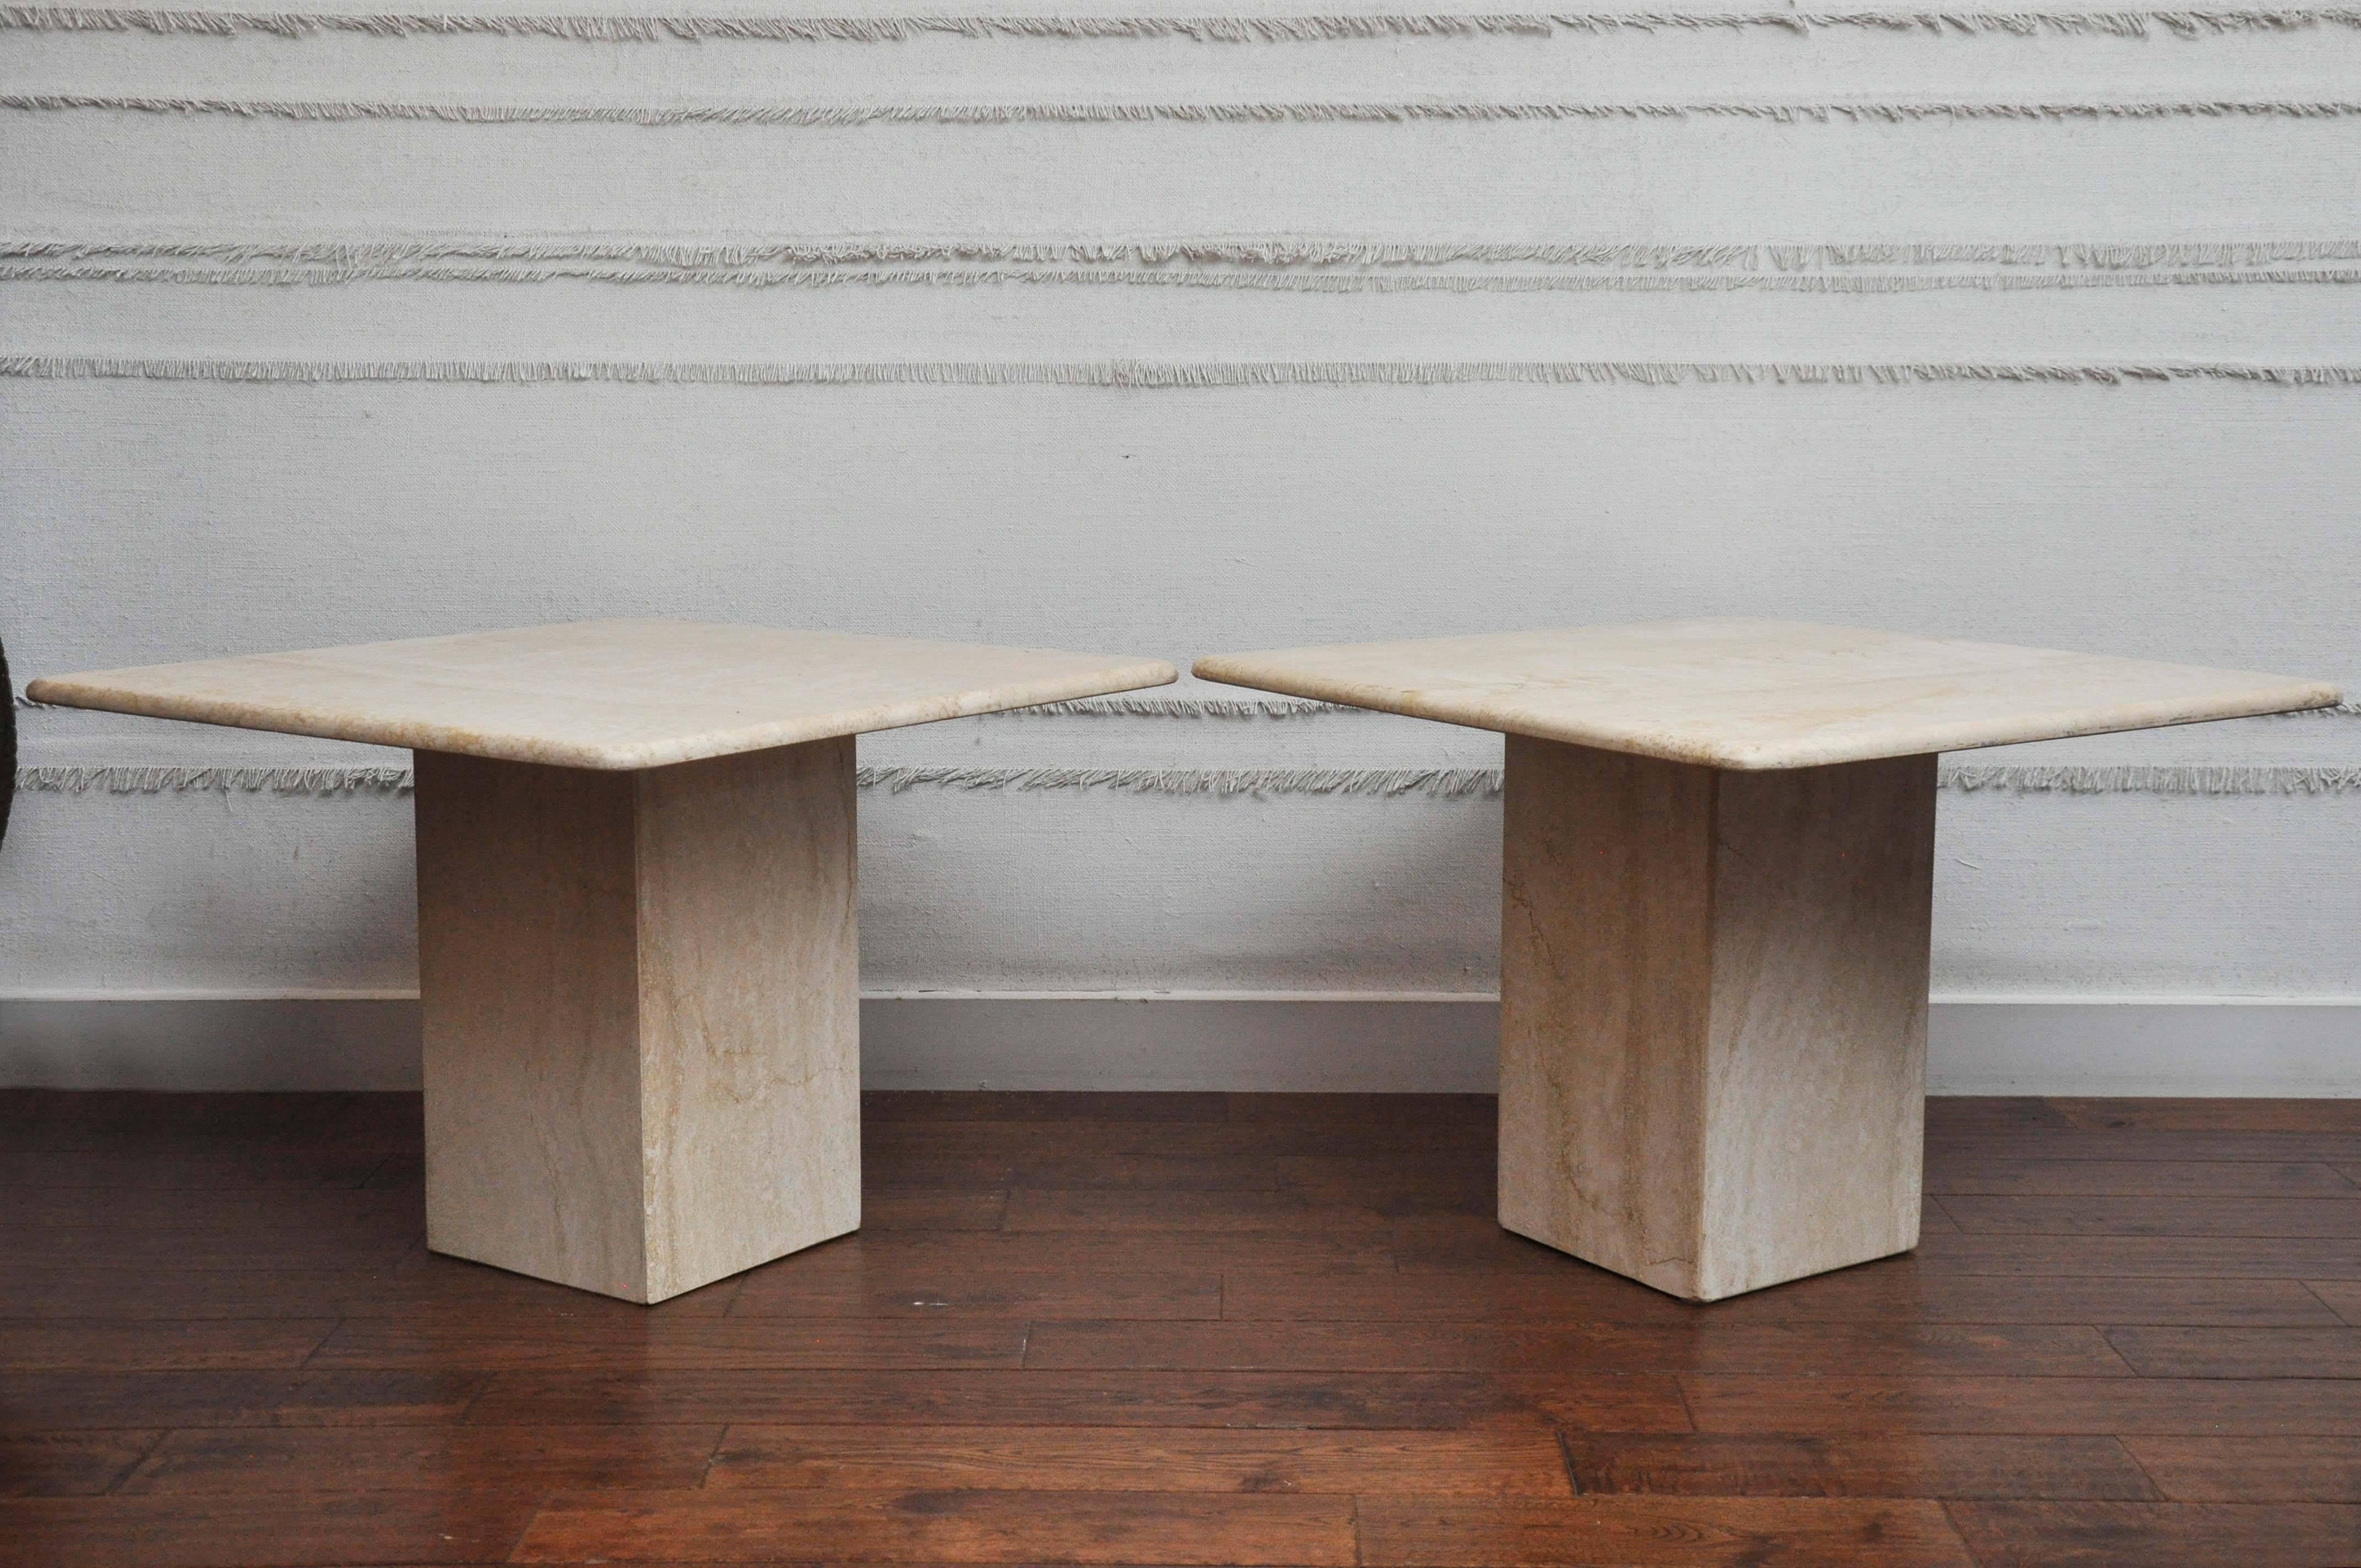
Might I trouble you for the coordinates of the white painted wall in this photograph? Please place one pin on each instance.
(2030, 333)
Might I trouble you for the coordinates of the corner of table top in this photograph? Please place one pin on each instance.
(1163, 674)
(1211, 667)
(80, 690)
(635, 756)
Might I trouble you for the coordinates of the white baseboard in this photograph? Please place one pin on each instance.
(1253, 1041)
(2238, 1047)
(209, 1042)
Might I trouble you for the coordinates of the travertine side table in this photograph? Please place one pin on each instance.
(637, 961)
(1718, 871)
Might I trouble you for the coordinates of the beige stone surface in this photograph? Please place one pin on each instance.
(640, 1011)
(1763, 694)
(1718, 884)
(1713, 1022)
(604, 694)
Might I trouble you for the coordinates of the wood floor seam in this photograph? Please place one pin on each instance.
(1234, 1328)
(129, 1471)
(2353, 1317)
(1565, 1457)
(1952, 1518)
(2131, 1455)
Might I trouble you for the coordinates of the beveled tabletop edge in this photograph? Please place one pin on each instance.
(2297, 694)
(96, 689)
(2058, 724)
(62, 691)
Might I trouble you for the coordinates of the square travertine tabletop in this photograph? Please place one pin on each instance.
(1747, 694)
(604, 694)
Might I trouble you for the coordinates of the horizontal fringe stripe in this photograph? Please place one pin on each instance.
(1295, 707)
(2133, 780)
(1201, 30)
(1078, 708)
(1177, 708)
(1239, 708)
(159, 779)
(1262, 283)
(1292, 707)
(1270, 252)
(835, 115)
(1440, 783)
(1444, 783)
(1130, 375)
(2102, 257)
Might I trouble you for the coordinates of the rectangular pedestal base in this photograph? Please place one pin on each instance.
(640, 994)
(1713, 1020)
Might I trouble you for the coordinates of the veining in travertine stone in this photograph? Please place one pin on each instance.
(1761, 694)
(606, 694)
(1716, 883)
(1713, 1013)
(640, 995)
(637, 969)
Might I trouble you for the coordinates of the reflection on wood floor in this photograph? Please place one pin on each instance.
(1155, 1329)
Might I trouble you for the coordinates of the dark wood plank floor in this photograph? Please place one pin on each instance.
(1181, 1329)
